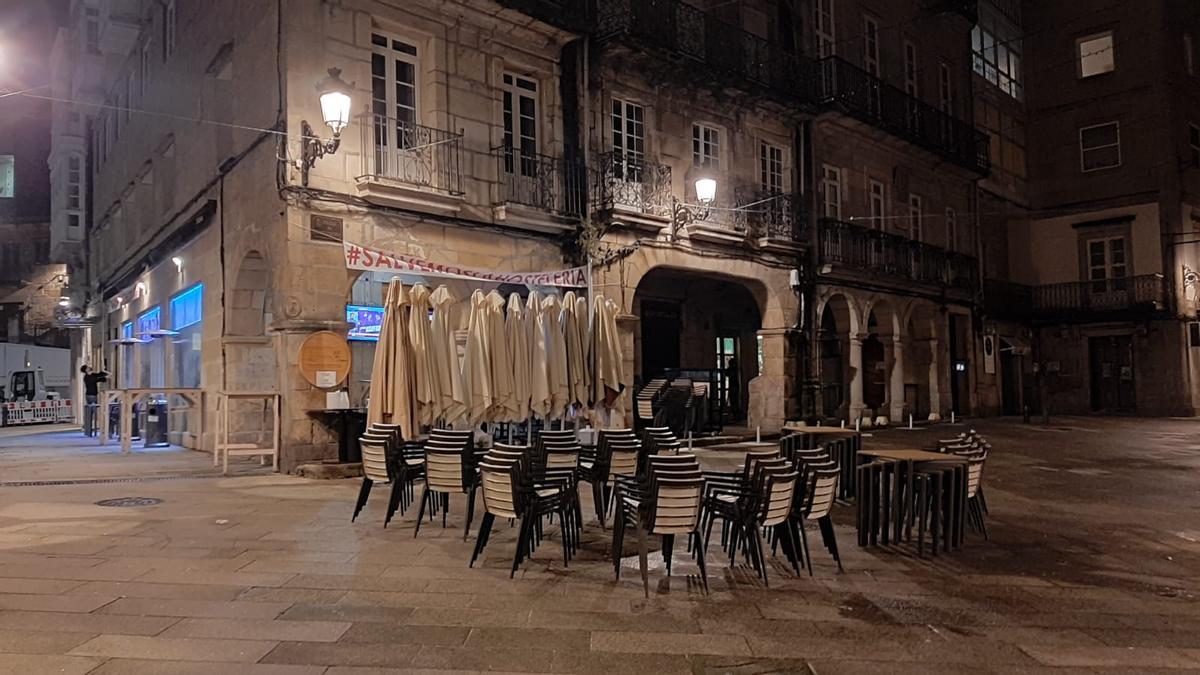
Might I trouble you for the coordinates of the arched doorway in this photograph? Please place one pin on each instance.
(878, 358)
(704, 327)
(833, 337)
(919, 382)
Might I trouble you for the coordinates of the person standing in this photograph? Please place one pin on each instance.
(91, 395)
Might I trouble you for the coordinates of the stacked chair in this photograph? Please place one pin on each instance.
(665, 500)
(758, 498)
(597, 467)
(386, 458)
(450, 468)
(515, 489)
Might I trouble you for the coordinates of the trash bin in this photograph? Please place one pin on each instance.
(154, 424)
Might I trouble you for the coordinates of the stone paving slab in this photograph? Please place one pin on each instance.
(265, 575)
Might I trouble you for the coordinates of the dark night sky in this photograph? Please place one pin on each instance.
(26, 34)
(27, 29)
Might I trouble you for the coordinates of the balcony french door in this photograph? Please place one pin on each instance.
(520, 126)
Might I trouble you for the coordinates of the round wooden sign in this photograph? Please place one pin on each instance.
(324, 359)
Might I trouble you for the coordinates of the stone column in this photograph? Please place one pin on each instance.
(935, 382)
(773, 392)
(628, 327)
(854, 363)
(896, 385)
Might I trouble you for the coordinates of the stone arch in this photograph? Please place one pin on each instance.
(883, 387)
(837, 323)
(770, 287)
(248, 302)
(921, 363)
(701, 322)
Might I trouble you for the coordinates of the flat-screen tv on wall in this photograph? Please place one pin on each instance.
(364, 322)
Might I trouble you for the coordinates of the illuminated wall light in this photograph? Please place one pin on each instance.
(178, 263)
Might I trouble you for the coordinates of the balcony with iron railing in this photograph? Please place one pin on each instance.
(410, 165)
(846, 87)
(1121, 298)
(767, 218)
(1145, 292)
(548, 193)
(857, 250)
(691, 36)
(631, 189)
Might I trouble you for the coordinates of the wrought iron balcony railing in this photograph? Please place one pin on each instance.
(411, 154)
(556, 185)
(862, 95)
(759, 214)
(724, 48)
(630, 183)
(892, 255)
(1143, 292)
(774, 215)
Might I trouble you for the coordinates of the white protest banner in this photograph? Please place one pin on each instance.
(369, 259)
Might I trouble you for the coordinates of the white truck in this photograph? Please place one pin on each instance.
(37, 384)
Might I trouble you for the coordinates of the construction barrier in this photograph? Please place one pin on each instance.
(38, 412)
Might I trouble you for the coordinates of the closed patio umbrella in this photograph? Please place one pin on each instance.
(608, 376)
(539, 359)
(446, 367)
(516, 327)
(585, 339)
(420, 335)
(392, 372)
(476, 372)
(504, 406)
(575, 331)
(556, 355)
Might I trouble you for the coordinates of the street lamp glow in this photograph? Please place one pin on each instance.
(706, 190)
(335, 101)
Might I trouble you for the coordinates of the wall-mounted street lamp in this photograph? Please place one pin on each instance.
(682, 213)
(335, 109)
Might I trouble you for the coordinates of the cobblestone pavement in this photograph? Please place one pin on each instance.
(1092, 566)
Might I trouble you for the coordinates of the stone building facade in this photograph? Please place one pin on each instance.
(857, 207)
(508, 136)
(1090, 290)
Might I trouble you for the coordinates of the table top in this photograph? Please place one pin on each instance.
(820, 430)
(910, 455)
(743, 446)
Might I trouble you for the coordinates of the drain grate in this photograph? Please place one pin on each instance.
(130, 501)
(103, 481)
